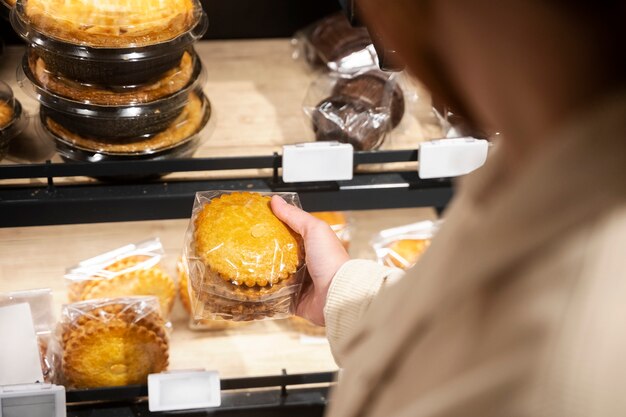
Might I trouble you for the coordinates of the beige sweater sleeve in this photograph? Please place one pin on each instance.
(352, 290)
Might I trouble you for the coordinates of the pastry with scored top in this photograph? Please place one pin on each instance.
(113, 342)
(252, 261)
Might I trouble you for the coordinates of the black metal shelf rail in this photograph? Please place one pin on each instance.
(277, 395)
(151, 199)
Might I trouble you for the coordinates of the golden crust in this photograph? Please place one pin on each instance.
(113, 354)
(6, 114)
(151, 281)
(238, 237)
(186, 124)
(406, 252)
(111, 23)
(171, 82)
(117, 312)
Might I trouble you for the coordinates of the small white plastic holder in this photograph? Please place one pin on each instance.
(318, 161)
(183, 390)
(451, 157)
(32, 400)
(21, 390)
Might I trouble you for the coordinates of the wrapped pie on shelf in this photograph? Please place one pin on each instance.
(112, 43)
(40, 302)
(339, 222)
(151, 131)
(359, 109)
(112, 342)
(401, 247)
(244, 263)
(12, 119)
(334, 44)
(187, 295)
(50, 87)
(131, 270)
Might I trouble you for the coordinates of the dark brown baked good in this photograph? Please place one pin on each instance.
(349, 120)
(376, 89)
(333, 38)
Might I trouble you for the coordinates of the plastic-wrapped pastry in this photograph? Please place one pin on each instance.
(186, 297)
(127, 271)
(112, 342)
(244, 263)
(402, 246)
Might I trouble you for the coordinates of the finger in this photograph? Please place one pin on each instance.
(299, 220)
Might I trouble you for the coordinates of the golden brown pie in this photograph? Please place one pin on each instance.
(111, 23)
(406, 252)
(186, 124)
(131, 279)
(239, 238)
(6, 113)
(252, 261)
(171, 82)
(115, 344)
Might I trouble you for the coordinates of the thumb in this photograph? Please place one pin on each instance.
(298, 219)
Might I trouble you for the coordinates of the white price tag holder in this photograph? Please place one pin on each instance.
(451, 157)
(183, 390)
(22, 392)
(318, 161)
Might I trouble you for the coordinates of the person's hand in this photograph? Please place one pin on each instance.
(324, 256)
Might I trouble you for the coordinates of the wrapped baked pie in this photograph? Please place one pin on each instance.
(333, 43)
(244, 263)
(12, 120)
(115, 42)
(187, 296)
(58, 90)
(401, 247)
(179, 138)
(359, 109)
(132, 270)
(112, 342)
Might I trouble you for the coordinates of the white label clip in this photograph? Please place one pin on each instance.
(318, 161)
(451, 157)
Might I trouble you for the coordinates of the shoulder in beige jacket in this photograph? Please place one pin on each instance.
(518, 308)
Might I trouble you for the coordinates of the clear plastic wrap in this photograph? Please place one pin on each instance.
(132, 270)
(339, 222)
(401, 247)
(359, 109)
(117, 42)
(332, 43)
(112, 342)
(180, 137)
(40, 301)
(56, 90)
(187, 295)
(12, 118)
(244, 264)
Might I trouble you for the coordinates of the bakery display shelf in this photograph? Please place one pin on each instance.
(279, 395)
(92, 202)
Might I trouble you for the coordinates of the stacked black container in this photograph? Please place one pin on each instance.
(116, 79)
